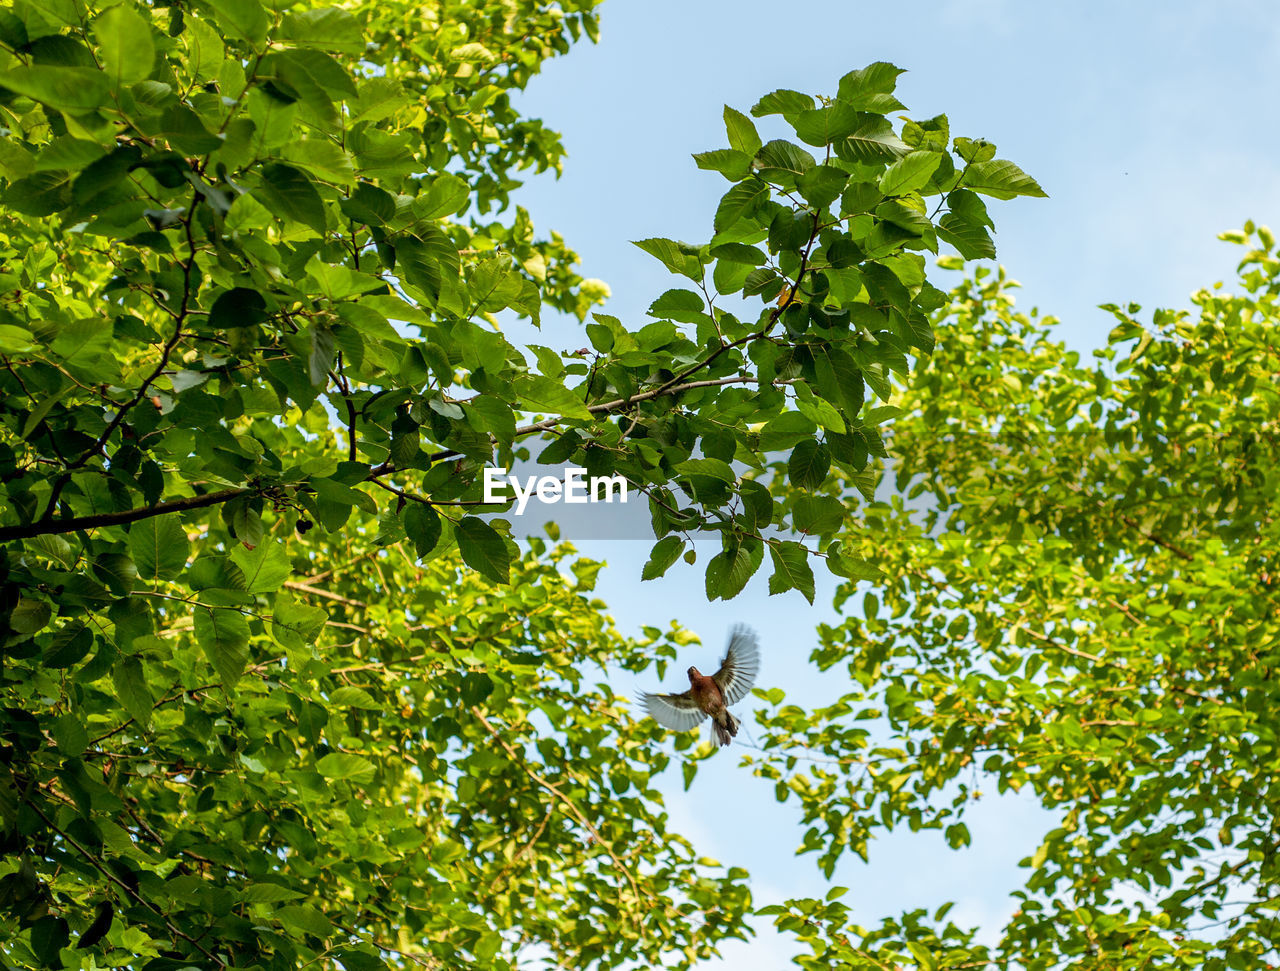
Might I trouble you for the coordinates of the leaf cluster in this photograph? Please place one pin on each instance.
(1078, 601)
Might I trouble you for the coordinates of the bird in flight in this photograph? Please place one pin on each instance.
(712, 695)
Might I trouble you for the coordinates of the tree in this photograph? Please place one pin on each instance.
(271, 696)
(1079, 597)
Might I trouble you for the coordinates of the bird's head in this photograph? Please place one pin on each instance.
(694, 673)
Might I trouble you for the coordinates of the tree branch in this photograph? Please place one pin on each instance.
(773, 317)
(106, 872)
(600, 408)
(43, 528)
(180, 319)
(71, 525)
(1172, 548)
(327, 594)
(568, 803)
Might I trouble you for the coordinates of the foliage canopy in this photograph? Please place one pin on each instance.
(1079, 599)
(271, 697)
(230, 232)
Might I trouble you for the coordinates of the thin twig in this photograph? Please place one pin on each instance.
(327, 594)
(101, 868)
(565, 800)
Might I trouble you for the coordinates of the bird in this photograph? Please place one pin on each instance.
(711, 696)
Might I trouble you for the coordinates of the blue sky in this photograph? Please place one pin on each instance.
(1151, 126)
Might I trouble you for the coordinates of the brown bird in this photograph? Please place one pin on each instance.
(712, 695)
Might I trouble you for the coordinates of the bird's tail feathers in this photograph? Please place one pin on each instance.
(721, 734)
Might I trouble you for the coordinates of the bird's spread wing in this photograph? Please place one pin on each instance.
(676, 712)
(740, 666)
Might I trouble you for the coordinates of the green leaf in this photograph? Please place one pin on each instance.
(809, 463)
(427, 262)
(70, 734)
(324, 159)
(965, 226)
(304, 918)
(447, 195)
(860, 197)
(975, 149)
(242, 18)
(29, 616)
(924, 957)
(349, 696)
(489, 414)
(786, 431)
(116, 571)
(422, 526)
(741, 201)
(77, 90)
(494, 285)
(730, 277)
(822, 185)
(823, 413)
(265, 567)
(846, 565)
(326, 28)
(246, 523)
(359, 960)
(238, 307)
(159, 547)
(872, 141)
(272, 119)
(223, 635)
(958, 836)
(545, 394)
(920, 332)
(677, 257)
(665, 552)
(732, 165)
(829, 124)
(16, 340)
(817, 515)
(42, 194)
(791, 569)
(742, 132)
(370, 205)
(295, 625)
(268, 893)
(880, 77)
(782, 102)
(483, 549)
(67, 646)
(104, 174)
(324, 352)
(910, 173)
(729, 571)
(782, 162)
(1001, 179)
(85, 345)
(125, 45)
(130, 681)
(738, 253)
(838, 378)
(290, 194)
(49, 935)
(715, 468)
(476, 687)
(207, 51)
(877, 378)
(347, 767)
